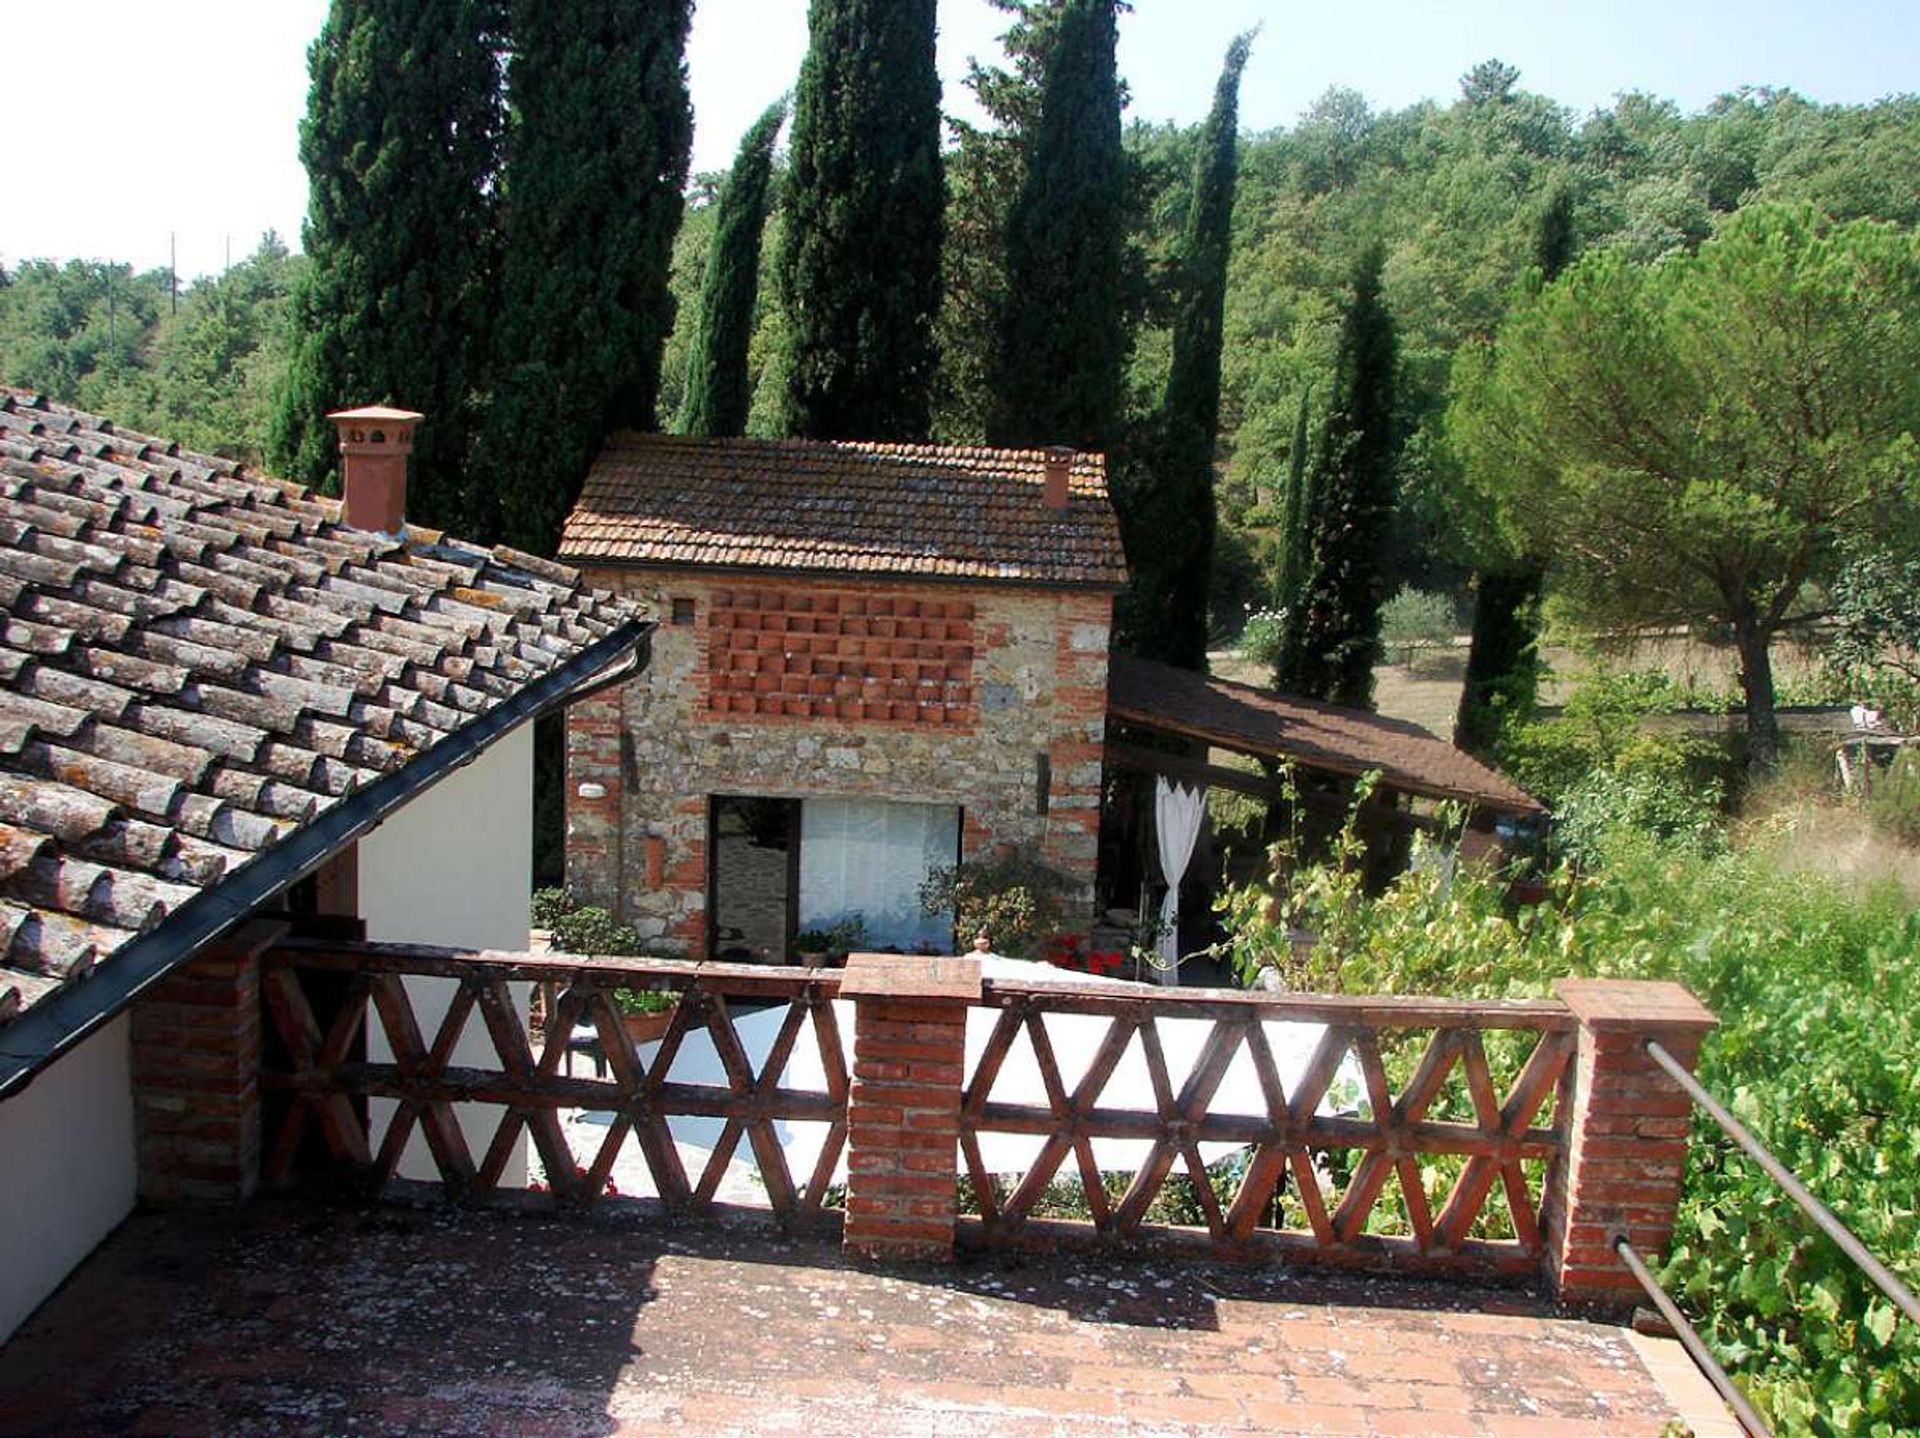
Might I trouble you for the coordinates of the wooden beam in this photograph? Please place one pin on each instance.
(1179, 766)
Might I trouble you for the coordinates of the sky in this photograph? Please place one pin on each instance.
(184, 128)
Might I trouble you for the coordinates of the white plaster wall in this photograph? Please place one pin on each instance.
(455, 867)
(67, 1175)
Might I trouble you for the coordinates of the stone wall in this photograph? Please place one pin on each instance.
(780, 686)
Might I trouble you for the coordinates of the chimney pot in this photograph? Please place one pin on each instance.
(1058, 466)
(375, 441)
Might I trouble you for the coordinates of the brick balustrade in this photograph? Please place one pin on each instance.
(196, 1074)
(903, 1107)
(1627, 1138)
(1573, 1097)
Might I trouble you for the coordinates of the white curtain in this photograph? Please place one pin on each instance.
(1177, 815)
(868, 857)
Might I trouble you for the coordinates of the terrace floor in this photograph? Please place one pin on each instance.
(304, 1318)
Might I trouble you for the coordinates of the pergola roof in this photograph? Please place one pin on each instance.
(1316, 736)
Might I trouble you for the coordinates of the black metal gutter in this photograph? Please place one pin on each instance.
(61, 1022)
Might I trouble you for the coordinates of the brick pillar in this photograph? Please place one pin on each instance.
(1627, 1142)
(903, 1107)
(196, 1073)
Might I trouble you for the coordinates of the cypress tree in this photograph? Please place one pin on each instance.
(718, 396)
(1333, 634)
(1058, 370)
(860, 262)
(1292, 566)
(595, 167)
(1167, 516)
(1503, 662)
(402, 148)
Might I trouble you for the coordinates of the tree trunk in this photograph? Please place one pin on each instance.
(1756, 683)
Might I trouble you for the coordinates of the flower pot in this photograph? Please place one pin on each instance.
(647, 1028)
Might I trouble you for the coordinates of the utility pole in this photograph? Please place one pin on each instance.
(173, 272)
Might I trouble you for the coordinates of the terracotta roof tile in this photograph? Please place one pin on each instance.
(1323, 736)
(844, 508)
(196, 659)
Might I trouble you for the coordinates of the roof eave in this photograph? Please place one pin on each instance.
(586, 562)
(65, 1019)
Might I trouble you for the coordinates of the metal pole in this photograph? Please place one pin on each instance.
(1748, 1416)
(1887, 1281)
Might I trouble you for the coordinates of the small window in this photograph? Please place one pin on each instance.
(683, 611)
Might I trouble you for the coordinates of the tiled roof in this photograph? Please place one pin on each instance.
(1318, 736)
(933, 511)
(197, 660)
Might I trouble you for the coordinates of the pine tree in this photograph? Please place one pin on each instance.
(1058, 372)
(860, 262)
(595, 167)
(1167, 513)
(718, 397)
(1333, 636)
(1503, 664)
(402, 148)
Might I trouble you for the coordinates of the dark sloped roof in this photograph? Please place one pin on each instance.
(197, 661)
(1318, 736)
(936, 511)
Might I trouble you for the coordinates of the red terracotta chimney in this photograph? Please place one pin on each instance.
(374, 444)
(1059, 464)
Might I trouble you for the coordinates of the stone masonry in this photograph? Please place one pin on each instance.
(778, 685)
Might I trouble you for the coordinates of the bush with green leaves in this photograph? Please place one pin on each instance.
(1263, 637)
(1416, 619)
(1013, 898)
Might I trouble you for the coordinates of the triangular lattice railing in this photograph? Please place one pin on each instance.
(526, 1085)
(1418, 1132)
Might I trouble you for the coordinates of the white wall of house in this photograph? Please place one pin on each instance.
(67, 1178)
(454, 867)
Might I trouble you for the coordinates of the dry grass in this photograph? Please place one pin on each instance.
(1834, 839)
(1427, 691)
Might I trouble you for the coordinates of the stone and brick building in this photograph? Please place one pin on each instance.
(873, 660)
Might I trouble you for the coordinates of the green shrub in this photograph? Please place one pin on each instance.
(1263, 637)
(1417, 619)
(1893, 801)
(1013, 898)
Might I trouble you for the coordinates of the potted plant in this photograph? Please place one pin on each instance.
(646, 1013)
(831, 944)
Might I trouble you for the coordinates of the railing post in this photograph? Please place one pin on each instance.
(903, 1107)
(196, 1073)
(1626, 1139)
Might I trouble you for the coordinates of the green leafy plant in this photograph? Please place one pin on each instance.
(1013, 898)
(1263, 637)
(836, 940)
(1416, 619)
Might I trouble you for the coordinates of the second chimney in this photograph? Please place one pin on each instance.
(374, 444)
(1059, 465)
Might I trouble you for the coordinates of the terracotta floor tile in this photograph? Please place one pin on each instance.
(288, 1319)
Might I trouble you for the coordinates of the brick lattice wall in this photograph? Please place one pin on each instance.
(803, 653)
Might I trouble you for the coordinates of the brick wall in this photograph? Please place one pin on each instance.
(196, 1074)
(737, 702)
